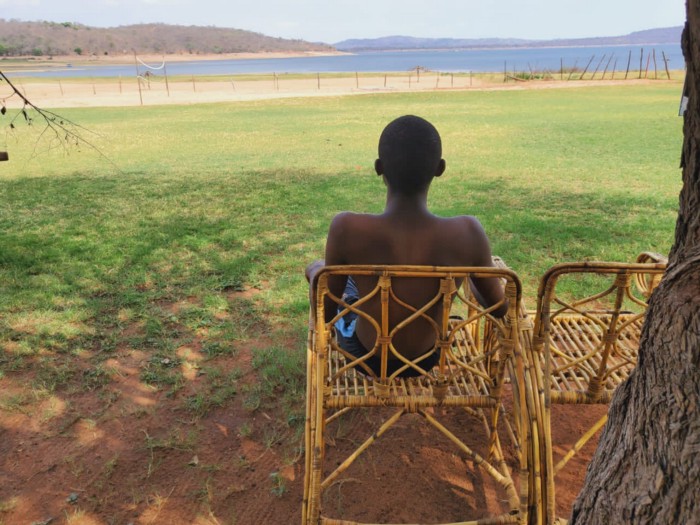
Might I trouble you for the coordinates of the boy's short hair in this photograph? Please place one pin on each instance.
(410, 151)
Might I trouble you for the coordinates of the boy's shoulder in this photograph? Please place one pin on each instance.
(463, 223)
(353, 216)
(349, 219)
(461, 219)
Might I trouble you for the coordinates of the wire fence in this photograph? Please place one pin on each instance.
(651, 65)
(152, 85)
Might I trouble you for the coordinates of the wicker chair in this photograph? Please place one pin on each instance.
(465, 378)
(585, 342)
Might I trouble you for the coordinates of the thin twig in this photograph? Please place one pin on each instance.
(64, 129)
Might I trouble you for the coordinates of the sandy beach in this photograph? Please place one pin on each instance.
(55, 93)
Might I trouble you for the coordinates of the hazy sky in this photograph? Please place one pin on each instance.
(335, 20)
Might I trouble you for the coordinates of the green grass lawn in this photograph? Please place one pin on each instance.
(198, 201)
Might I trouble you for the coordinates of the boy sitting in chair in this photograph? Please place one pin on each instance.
(406, 233)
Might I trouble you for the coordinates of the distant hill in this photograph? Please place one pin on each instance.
(666, 35)
(19, 38)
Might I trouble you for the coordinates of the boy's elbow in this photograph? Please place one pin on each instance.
(312, 269)
(502, 309)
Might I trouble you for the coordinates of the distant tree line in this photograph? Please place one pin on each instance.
(18, 38)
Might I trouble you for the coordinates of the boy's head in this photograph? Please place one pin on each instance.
(410, 154)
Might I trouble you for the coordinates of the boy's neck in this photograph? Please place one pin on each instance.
(406, 204)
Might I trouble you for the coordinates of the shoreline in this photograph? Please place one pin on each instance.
(48, 63)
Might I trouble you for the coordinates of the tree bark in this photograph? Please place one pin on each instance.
(646, 468)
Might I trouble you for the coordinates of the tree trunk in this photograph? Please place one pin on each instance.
(647, 465)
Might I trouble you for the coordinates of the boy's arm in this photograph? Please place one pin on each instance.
(334, 256)
(311, 273)
(488, 291)
(313, 269)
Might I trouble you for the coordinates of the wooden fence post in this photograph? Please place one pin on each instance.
(597, 67)
(641, 60)
(646, 70)
(606, 66)
(586, 68)
(666, 64)
(165, 73)
(138, 79)
(629, 59)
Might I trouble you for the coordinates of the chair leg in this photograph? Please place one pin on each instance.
(580, 444)
(317, 442)
(318, 457)
(313, 440)
(308, 437)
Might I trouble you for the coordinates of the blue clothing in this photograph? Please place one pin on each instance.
(346, 324)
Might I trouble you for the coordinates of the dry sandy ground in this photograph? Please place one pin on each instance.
(134, 455)
(155, 91)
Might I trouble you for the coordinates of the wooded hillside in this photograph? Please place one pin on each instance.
(50, 38)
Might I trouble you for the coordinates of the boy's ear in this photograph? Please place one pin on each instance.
(440, 168)
(378, 167)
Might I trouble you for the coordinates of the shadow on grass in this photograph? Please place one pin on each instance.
(149, 319)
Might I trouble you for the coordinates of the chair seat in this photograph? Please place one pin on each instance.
(576, 343)
(451, 387)
(404, 392)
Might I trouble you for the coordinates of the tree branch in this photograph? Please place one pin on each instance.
(65, 132)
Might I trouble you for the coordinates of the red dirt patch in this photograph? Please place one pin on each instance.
(130, 453)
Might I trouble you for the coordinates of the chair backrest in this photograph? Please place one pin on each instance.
(448, 312)
(588, 324)
(647, 282)
(473, 361)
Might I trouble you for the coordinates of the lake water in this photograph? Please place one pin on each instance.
(448, 61)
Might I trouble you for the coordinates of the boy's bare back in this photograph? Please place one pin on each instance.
(407, 233)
